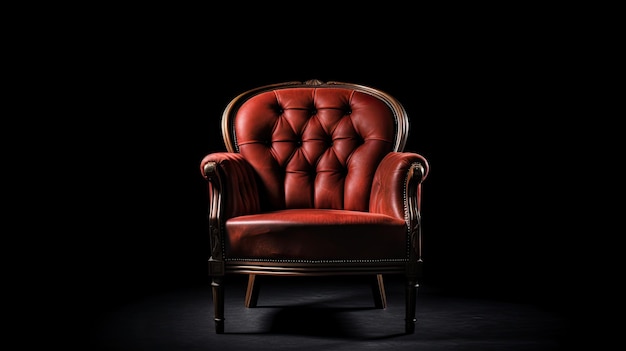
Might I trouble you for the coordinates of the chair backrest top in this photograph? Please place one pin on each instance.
(399, 113)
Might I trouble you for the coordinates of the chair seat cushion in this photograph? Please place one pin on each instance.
(316, 235)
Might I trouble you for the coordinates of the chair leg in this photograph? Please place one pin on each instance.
(411, 297)
(378, 290)
(252, 292)
(218, 304)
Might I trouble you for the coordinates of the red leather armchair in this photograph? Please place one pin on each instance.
(314, 182)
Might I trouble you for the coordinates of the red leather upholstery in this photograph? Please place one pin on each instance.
(315, 148)
(312, 149)
(317, 235)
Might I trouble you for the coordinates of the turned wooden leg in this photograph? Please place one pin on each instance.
(411, 297)
(378, 290)
(252, 293)
(218, 304)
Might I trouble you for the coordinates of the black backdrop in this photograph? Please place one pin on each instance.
(482, 101)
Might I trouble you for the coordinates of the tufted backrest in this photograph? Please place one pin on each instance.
(314, 144)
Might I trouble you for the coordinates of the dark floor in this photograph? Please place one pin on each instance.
(325, 314)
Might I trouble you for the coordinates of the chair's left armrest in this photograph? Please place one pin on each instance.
(232, 191)
(232, 184)
(396, 190)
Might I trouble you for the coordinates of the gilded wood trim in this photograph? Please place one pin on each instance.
(216, 261)
(414, 179)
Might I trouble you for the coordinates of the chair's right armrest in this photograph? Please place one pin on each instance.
(396, 190)
(232, 184)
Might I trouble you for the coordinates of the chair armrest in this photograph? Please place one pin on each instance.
(397, 185)
(232, 185)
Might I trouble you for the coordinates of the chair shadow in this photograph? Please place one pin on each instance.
(313, 320)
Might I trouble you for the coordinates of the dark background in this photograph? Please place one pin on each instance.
(486, 100)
